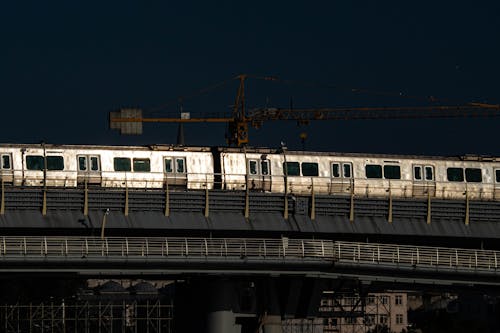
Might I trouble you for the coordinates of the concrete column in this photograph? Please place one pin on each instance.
(220, 300)
(272, 324)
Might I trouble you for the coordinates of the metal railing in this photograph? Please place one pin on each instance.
(359, 186)
(282, 249)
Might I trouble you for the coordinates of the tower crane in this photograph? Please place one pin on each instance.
(129, 121)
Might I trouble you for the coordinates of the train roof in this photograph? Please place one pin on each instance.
(258, 150)
(481, 158)
(154, 147)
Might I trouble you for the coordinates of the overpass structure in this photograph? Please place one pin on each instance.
(171, 257)
(251, 257)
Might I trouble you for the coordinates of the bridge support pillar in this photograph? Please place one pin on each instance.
(220, 316)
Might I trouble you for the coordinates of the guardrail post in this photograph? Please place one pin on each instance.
(389, 218)
(428, 207)
(466, 207)
(247, 198)
(126, 199)
(86, 200)
(44, 202)
(167, 200)
(285, 211)
(207, 208)
(351, 211)
(313, 201)
(2, 205)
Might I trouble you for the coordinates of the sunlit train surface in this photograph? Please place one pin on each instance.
(254, 169)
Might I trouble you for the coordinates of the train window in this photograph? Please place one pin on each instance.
(55, 163)
(373, 171)
(335, 170)
(179, 162)
(291, 168)
(82, 163)
(168, 165)
(6, 165)
(35, 162)
(310, 169)
(455, 174)
(252, 167)
(473, 175)
(497, 175)
(264, 167)
(142, 165)
(392, 172)
(122, 164)
(347, 170)
(429, 172)
(94, 163)
(417, 172)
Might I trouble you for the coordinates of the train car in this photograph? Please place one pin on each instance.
(107, 166)
(370, 175)
(254, 169)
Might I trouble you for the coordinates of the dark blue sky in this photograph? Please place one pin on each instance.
(66, 64)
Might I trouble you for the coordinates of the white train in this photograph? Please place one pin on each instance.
(256, 169)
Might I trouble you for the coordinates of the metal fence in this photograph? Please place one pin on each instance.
(284, 249)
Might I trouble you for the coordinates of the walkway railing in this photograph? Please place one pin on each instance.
(262, 249)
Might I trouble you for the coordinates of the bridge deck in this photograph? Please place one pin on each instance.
(239, 211)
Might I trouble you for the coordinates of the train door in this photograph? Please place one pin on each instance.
(341, 180)
(89, 169)
(496, 193)
(6, 170)
(175, 172)
(259, 174)
(424, 182)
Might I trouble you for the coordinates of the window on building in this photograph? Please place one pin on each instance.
(6, 163)
(122, 164)
(310, 169)
(497, 175)
(399, 318)
(142, 165)
(370, 299)
(373, 171)
(455, 174)
(382, 319)
(351, 320)
(384, 299)
(291, 168)
(392, 172)
(370, 319)
(398, 300)
(473, 175)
